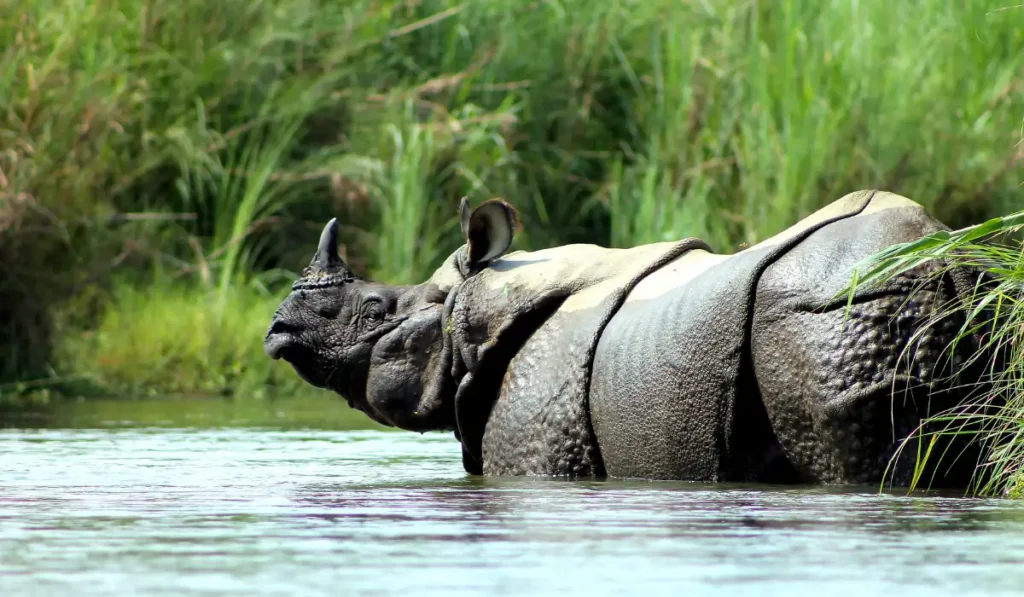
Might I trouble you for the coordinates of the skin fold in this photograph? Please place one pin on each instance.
(662, 361)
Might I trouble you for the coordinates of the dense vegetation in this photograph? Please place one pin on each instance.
(165, 167)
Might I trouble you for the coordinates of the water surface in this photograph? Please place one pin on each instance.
(96, 505)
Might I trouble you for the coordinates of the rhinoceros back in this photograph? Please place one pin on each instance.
(673, 394)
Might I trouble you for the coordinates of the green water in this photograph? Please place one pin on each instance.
(219, 498)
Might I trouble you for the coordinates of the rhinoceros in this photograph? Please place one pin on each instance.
(660, 361)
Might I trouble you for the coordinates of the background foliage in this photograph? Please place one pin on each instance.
(165, 167)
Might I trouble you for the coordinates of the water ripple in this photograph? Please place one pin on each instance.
(264, 512)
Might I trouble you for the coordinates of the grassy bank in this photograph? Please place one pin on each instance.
(168, 339)
(192, 150)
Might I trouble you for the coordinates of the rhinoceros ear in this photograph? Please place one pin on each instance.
(488, 230)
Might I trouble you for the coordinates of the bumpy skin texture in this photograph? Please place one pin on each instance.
(539, 424)
(840, 391)
(748, 372)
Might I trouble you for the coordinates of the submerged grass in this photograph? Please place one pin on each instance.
(195, 149)
(993, 315)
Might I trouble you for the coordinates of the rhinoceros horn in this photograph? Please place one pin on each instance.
(327, 258)
(327, 267)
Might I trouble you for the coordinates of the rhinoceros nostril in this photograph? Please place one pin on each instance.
(281, 327)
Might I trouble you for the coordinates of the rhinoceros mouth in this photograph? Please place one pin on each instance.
(281, 336)
(276, 345)
(286, 347)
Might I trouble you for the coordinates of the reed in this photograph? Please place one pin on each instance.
(993, 313)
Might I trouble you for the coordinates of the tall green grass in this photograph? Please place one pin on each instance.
(168, 339)
(201, 146)
(992, 313)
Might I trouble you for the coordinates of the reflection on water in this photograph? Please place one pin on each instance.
(325, 512)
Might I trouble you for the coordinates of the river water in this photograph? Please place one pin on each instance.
(186, 502)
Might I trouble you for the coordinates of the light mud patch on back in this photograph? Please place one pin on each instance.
(861, 203)
(510, 289)
(674, 275)
(692, 264)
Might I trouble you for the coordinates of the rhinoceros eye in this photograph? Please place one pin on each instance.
(373, 313)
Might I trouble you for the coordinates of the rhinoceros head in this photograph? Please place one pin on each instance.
(382, 347)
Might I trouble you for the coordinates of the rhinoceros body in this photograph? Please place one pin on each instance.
(662, 361)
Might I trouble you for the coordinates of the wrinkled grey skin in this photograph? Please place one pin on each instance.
(746, 372)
